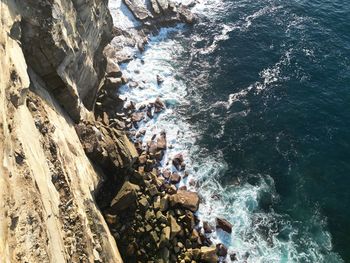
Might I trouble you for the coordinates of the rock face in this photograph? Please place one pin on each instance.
(63, 42)
(47, 211)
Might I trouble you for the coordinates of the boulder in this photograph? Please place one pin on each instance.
(207, 227)
(155, 7)
(164, 203)
(126, 197)
(208, 254)
(224, 225)
(178, 160)
(221, 250)
(185, 199)
(113, 70)
(138, 8)
(175, 228)
(159, 105)
(175, 178)
(164, 4)
(161, 141)
(165, 236)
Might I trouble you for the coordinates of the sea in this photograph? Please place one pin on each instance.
(258, 102)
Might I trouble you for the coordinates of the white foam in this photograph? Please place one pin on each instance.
(238, 202)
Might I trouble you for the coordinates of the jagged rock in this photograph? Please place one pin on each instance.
(175, 228)
(153, 190)
(175, 178)
(159, 105)
(221, 250)
(165, 237)
(207, 227)
(166, 173)
(126, 197)
(208, 254)
(186, 199)
(137, 116)
(108, 147)
(144, 203)
(111, 219)
(224, 225)
(161, 142)
(164, 4)
(164, 203)
(71, 65)
(138, 8)
(178, 160)
(112, 69)
(186, 15)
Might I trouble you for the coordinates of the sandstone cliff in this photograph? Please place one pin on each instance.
(51, 66)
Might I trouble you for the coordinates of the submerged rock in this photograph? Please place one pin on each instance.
(224, 225)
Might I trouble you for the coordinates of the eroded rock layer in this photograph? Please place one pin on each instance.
(48, 60)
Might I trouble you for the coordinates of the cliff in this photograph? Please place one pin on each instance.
(63, 138)
(51, 67)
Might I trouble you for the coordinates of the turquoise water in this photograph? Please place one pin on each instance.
(258, 96)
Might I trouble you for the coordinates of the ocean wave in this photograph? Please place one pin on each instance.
(258, 235)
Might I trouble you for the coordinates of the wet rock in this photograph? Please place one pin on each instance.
(164, 4)
(186, 199)
(137, 117)
(126, 197)
(208, 254)
(133, 84)
(161, 142)
(138, 9)
(159, 105)
(221, 250)
(207, 227)
(166, 173)
(160, 80)
(175, 178)
(175, 228)
(178, 160)
(233, 257)
(224, 225)
(186, 15)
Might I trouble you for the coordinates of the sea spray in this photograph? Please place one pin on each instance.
(259, 235)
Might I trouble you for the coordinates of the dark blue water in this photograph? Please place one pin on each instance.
(269, 86)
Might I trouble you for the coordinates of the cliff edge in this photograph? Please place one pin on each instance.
(51, 66)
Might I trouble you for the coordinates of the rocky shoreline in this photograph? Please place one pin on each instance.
(151, 218)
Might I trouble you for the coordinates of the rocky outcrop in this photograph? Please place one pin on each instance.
(63, 42)
(159, 12)
(107, 147)
(47, 208)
